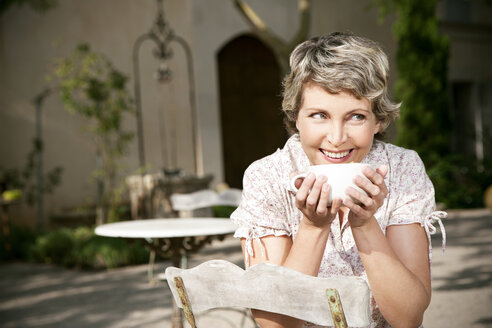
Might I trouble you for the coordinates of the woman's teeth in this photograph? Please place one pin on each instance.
(335, 155)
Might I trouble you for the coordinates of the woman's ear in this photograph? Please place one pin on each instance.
(377, 128)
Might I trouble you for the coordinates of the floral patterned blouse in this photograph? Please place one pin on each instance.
(268, 205)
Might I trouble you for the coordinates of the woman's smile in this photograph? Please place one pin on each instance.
(339, 156)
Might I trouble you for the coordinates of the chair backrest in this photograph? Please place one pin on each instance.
(205, 199)
(272, 288)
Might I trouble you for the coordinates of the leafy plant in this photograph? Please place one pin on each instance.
(78, 247)
(15, 183)
(425, 124)
(223, 211)
(91, 87)
(102, 252)
(459, 181)
(37, 5)
(20, 240)
(421, 86)
(55, 247)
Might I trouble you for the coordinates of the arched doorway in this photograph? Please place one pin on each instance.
(250, 105)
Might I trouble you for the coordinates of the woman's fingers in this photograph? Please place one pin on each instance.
(373, 176)
(383, 170)
(362, 206)
(312, 198)
(322, 208)
(374, 185)
(303, 191)
(335, 206)
(366, 201)
(356, 209)
(314, 195)
(370, 188)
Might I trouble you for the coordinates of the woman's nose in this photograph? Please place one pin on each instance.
(337, 135)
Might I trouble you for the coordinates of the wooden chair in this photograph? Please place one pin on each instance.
(339, 302)
(188, 204)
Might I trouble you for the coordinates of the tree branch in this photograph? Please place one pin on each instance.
(304, 7)
(281, 48)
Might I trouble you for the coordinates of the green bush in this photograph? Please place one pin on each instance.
(223, 211)
(103, 252)
(460, 182)
(55, 247)
(21, 240)
(78, 247)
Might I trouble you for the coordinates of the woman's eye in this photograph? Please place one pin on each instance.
(358, 117)
(318, 116)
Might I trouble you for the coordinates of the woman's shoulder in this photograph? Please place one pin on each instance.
(405, 168)
(263, 167)
(280, 163)
(394, 154)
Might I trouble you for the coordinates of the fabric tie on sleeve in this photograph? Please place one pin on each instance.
(249, 247)
(431, 230)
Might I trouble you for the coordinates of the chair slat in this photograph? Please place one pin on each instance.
(272, 288)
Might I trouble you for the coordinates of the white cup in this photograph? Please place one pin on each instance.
(339, 177)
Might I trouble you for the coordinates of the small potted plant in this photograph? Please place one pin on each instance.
(91, 87)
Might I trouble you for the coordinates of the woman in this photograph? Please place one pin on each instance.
(336, 103)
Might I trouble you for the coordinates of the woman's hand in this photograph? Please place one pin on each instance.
(312, 200)
(376, 193)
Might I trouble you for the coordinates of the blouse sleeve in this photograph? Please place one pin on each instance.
(263, 207)
(414, 199)
(415, 202)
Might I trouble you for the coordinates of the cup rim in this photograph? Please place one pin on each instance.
(341, 164)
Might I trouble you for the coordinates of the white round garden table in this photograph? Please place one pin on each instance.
(171, 238)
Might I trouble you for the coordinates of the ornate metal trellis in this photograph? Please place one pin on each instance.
(163, 37)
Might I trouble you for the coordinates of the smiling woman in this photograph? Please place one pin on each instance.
(335, 128)
(336, 106)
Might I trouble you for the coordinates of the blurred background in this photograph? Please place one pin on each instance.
(96, 95)
(107, 107)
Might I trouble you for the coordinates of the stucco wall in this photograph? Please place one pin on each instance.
(29, 42)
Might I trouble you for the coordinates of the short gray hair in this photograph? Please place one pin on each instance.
(340, 62)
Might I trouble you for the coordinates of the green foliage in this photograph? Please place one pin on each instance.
(102, 252)
(37, 5)
(421, 86)
(55, 247)
(78, 247)
(425, 124)
(21, 240)
(24, 179)
(91, 87)
(11, 194)
(460, 182)
(223, 211)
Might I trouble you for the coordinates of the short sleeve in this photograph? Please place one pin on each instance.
(414, 200)
(263, 207)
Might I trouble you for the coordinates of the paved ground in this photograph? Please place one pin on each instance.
(33, 295)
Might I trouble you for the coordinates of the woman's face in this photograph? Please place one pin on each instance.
(335, 128)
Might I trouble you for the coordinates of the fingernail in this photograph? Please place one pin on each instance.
(310, 176)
